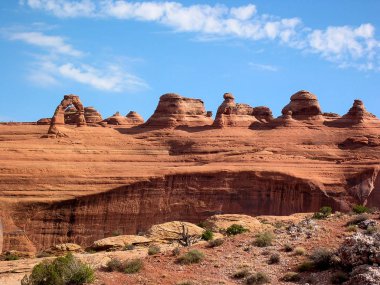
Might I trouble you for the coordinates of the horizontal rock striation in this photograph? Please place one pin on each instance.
(303, 106)
(188, 197)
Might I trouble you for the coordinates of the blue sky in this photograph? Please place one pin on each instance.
(122, 55)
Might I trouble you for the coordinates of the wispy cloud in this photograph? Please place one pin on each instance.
(344, 45)
(55, 43)
(61, 61)
(264, 67)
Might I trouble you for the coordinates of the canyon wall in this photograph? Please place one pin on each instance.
(187, 197)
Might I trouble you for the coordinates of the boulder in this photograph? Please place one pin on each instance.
(364, 275)
(64, 247)
(44, 121)
(360, 141)
(304, 106)
(360, 249)
(231, 114)
(118, 242)
(174, 110)
(220, 223)
(172, 231)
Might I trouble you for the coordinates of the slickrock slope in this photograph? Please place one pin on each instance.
(94, 181)
(174, 110)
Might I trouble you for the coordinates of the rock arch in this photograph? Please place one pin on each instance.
(59, 114)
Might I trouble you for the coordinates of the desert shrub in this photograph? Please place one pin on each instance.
(357, 219)
(207, 235)
(241, 273)
(288, 247)
(321, 258)
(299, 250)
(129, 247)
(352, 228)
(133, 266)
(339, 277)
(215, 242)
(360, 209)
(257, 278)
(274, 258)
(323, 213)
(264, 239)
(192, 256)
(305, 266)
(43, 254)
(60, 271)
(153, 249)
(176, 251)
(202, 225)
(371, 230)
(291, 277)
(11, 256)
(114, 265)
(235, 229)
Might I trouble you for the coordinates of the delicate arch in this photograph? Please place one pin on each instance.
(59, 114)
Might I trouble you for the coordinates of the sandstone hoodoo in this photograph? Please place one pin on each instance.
(231, 114)
(304, 106)
(174, 110)
(262, 113)
(131, 119)
(59, 114)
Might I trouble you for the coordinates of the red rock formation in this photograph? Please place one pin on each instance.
(263, 114)
(59, 114)
(230, 114)
(92, 116)
(357, 115)
(44, 121)
(190, 197)
(304, 106)
(131, 119)
(174, 110)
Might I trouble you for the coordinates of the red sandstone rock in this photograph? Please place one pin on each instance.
(262, 113)
(59, 114)
(131, 119)
(230, 114)
(92, 116)
(44, 121)
(174, 110)
(304, 106)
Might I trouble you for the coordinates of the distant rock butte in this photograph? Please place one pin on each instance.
(174, 110)
(131, 119)
(304, 106)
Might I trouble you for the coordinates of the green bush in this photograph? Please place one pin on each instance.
(339, 277)
(241, 273)
(357, 219)
(176, 251)
(133, 266)
(61, 271)
(299, 250)
(274, 258)
(288, 247)
(264, 239)
(305, 266)
(154, 249)
(215, 242)
(192, 256)
(323, 213)
(352, 228)
(114, 265)
(207, 235)
(257, 278)
(321, 258)
(291, 277)
(129, 247)
(11, 256)
(371, 230)
(235, 229)
(360, 209)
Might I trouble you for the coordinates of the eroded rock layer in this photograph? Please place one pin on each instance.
(174, 110)
(303, 106)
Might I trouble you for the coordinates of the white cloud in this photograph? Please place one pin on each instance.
(344, 45)
(264, 67)
(52, 43)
